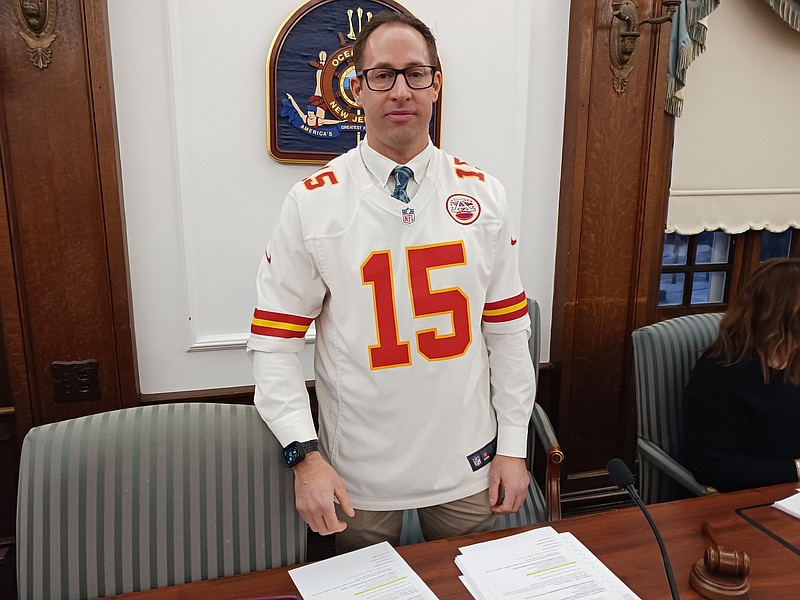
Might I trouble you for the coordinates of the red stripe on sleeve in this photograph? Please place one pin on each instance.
(507, 316)
(273, 332)
(504, 303)
(282, 317)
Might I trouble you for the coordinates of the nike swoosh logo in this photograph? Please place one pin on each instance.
(269, 258)
(513, 241)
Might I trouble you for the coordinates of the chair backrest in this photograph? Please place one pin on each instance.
(535, 350)
(535, 341)
(664, 355)
(147, 497)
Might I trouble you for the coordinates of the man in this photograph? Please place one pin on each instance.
(413, 282)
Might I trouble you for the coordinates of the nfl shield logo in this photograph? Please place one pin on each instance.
(408, 216)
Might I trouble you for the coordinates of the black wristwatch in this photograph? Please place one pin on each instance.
(296, 452)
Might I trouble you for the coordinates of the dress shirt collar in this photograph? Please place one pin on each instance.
(380, 167)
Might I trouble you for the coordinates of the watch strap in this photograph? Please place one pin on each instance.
(309, 446)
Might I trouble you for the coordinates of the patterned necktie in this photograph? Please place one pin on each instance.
(401, 176)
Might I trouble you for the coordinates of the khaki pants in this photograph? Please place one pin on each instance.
(467, 515)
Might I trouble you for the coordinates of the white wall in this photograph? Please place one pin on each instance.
(737, 142)
(200, 189)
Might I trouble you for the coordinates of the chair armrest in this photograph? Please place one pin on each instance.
(665, 463)
(552, 485)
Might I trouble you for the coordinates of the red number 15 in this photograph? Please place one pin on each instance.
(390, 351)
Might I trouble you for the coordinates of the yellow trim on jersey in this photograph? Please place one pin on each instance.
(508, 309)
(280, 325)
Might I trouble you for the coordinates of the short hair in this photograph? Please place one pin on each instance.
(390, 17)
(764, 320)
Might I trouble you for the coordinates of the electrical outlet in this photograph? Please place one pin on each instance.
(76, 381)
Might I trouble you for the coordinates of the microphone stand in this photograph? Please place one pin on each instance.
(623, 478)
(673, 588)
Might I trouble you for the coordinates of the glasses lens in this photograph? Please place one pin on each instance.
(380, 79)
(419, 78)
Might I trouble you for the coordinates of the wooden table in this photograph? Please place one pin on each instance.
(622, 539)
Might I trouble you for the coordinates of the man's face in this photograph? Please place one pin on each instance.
(397, 120)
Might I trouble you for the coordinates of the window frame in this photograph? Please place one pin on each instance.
(743, 259)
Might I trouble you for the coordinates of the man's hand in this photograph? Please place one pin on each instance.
(316, 484)
(507, 475)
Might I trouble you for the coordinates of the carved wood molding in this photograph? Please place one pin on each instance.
(37, 19)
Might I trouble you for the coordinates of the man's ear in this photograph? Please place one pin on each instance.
(355, 87)
(437, 85)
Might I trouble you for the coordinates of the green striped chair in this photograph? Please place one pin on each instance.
(539, 505)
(664, 355)
(153, 496)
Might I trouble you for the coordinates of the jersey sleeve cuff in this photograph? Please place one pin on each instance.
(264, 344)
(512, 440)
(294, 428)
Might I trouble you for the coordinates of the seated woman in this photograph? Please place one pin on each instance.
(744, 393)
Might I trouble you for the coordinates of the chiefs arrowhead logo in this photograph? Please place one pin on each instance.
(513, 242)
(269, 258)
(463, 209)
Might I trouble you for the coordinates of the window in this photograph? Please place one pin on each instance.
(700, 273)
(779, 245)
(695, 269)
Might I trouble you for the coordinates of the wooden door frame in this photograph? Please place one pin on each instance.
(109, 167)
(588, 66)
(81, 47)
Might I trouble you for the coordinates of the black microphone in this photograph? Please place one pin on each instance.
(623, 479)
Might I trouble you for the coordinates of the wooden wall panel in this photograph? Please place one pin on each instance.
(63, 271)
(57, 212)
(14, 388)
(606, 234)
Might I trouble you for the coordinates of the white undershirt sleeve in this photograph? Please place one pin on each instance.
(281, 396)
(513, 389)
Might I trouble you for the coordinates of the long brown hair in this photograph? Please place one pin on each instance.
(764, 320)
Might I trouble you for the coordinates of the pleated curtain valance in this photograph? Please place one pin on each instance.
(733, 211)
(737, 143)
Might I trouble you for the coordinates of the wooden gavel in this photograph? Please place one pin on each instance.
(728, 562)
(721, 573)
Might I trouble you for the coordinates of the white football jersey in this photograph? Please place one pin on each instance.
(400, 294)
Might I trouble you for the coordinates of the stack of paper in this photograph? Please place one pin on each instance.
(540, 563)
(790, 505)
(374, 573)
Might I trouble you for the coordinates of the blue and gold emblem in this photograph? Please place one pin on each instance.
(312, 115)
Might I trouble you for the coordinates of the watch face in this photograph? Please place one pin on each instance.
(291, 455)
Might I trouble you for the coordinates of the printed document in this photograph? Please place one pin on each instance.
(376, 572)
(540, 563)
(790, 505)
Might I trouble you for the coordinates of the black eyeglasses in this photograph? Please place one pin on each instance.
(382, 79)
